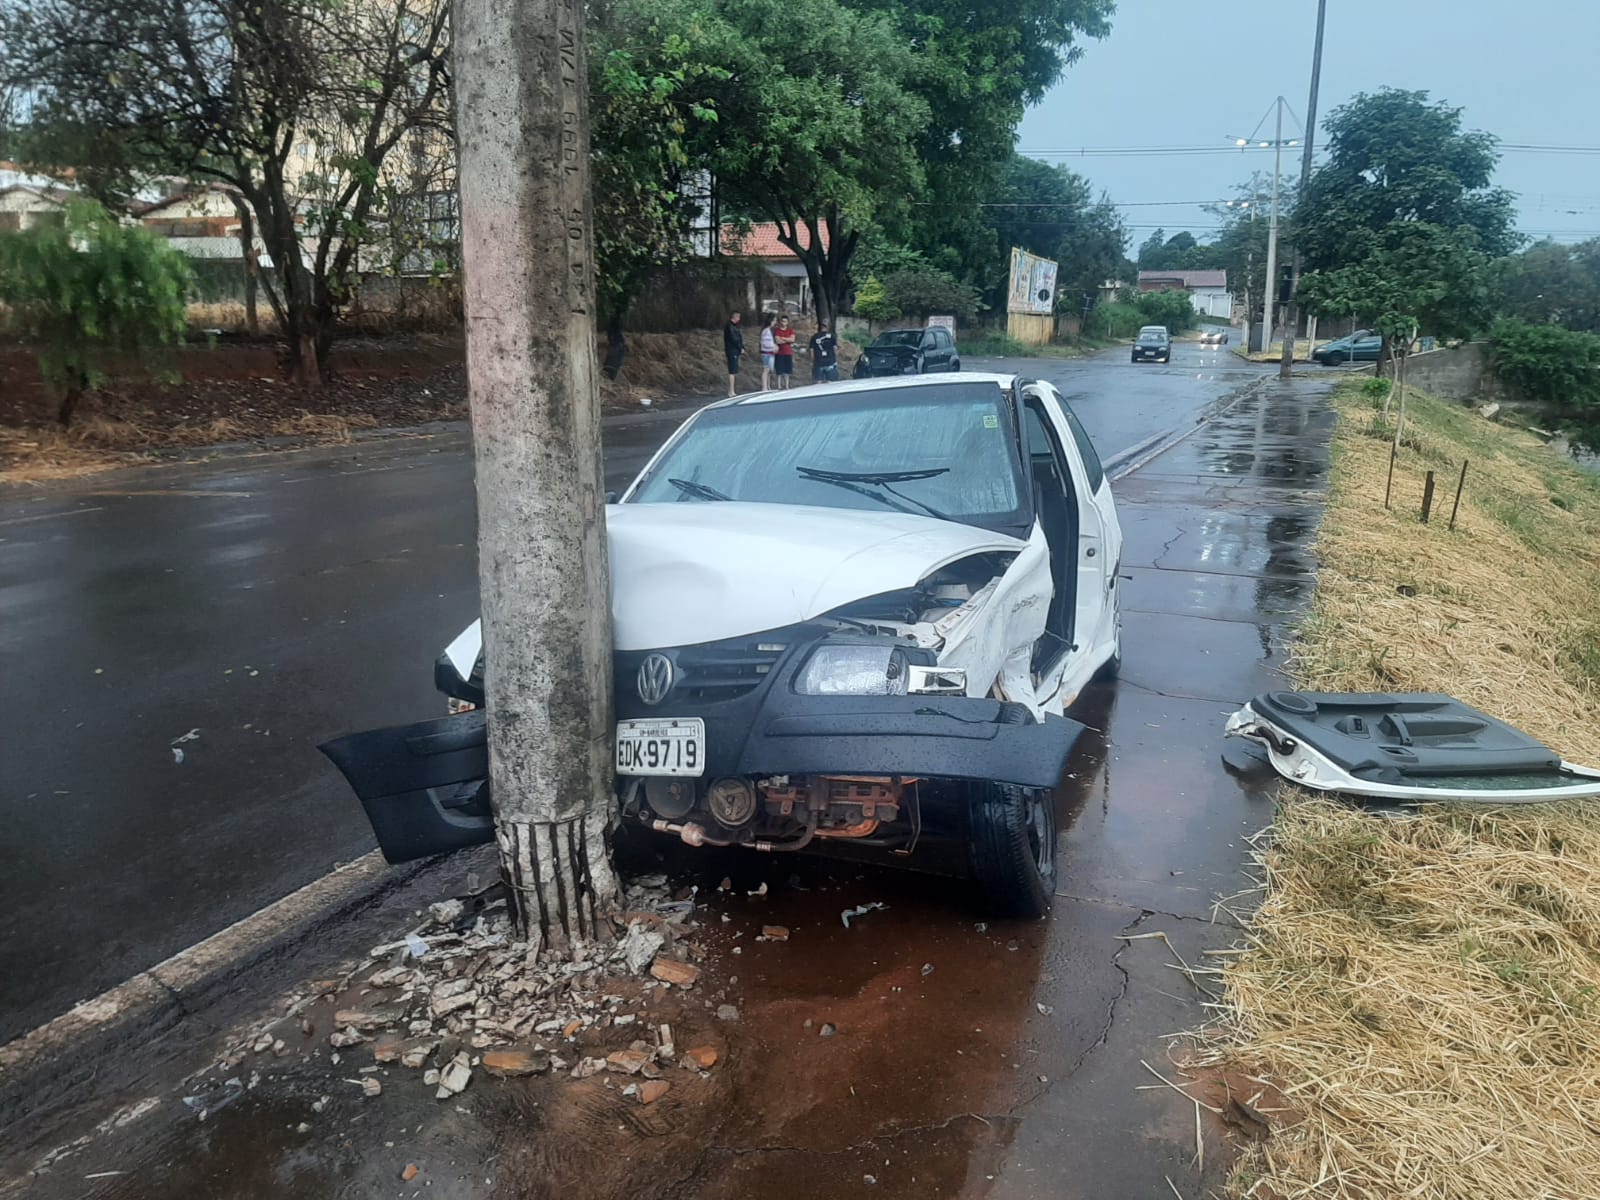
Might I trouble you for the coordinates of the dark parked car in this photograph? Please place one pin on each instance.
(909, 352)
(1154, 344)
(1361, 346)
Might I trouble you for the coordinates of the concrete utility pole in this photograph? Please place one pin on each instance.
(1269, 296)
(527, 242)
(1286, 364)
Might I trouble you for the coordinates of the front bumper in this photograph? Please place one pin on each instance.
(425, 791)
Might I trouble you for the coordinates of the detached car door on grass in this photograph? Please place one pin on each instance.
(850, 613)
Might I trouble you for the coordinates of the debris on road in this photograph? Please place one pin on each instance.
(454, 1078)
(774, 933)
(411, 1172)
(216, 1098)
(671, 971)
(652, 1090)
(447, 912)
(828, 1029)
(515, 1061)
(458, 994)
(701, 1057)
(860, 910)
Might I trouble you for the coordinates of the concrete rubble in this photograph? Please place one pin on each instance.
(458, 994)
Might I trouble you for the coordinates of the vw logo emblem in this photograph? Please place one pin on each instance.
(655, 678)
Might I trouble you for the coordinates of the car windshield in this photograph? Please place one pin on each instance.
(946, 450)
(899, 337)
(1150, 335)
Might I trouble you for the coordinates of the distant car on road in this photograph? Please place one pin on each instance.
(1213, 337)
(1361, 346)
(1154, 344)
(909, 352)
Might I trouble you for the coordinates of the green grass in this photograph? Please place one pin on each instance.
(1003, 345)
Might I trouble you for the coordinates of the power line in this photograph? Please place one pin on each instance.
(1257, 146)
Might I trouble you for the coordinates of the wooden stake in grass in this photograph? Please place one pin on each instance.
(1459, 484)
(1427, 497)
(1389, 486)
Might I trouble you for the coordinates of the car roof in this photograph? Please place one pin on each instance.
(1004, 381)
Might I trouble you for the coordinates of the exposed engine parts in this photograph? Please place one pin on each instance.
(780, 813)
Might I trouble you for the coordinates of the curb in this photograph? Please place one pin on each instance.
(1126, 462)
(65, 1052)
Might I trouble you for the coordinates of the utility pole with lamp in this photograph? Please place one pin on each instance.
(1286, 364)
(1270, 284)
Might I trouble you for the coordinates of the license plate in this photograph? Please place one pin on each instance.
(663, 746)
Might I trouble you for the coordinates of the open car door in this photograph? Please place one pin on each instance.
(1411, 747)
(425, 786)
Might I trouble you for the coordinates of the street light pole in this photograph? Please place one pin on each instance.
(1286, 365)
(1269, 292)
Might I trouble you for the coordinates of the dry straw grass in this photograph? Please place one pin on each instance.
(1425, 991)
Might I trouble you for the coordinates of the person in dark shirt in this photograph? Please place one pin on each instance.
(824, 355)
(733, 348)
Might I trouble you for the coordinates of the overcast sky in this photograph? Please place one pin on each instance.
(1182, 73)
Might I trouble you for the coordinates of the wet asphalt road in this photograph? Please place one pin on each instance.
(259, 605)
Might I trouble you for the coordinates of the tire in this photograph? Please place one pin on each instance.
(1012, 841)
(1336, 359)
(1111, 668)
(955, 364)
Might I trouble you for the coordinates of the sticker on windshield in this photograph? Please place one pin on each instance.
(990, 421)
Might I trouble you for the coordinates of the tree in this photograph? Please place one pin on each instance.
(928, 291)
(651, 80)
(1554, 284)
(1051, 211)
(528, 246)
(978, 66)
(817, 128)
(874, 302)
(230, 90)
(1557, 369)
(90, 289)
(1400, 225)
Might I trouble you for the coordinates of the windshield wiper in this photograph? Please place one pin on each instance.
(701, 490)
(859, 481)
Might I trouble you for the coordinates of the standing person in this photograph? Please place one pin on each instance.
(824, 355)
(783, 361)
(769, 350)
(733, 348)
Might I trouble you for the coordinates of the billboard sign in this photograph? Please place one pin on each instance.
(1033, 284)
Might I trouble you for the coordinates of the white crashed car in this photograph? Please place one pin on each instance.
(852, 612)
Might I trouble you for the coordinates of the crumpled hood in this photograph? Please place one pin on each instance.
(682, 574)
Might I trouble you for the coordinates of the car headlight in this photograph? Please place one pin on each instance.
(872, 669)
(865, 361)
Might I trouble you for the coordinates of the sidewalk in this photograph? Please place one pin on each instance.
(919, 1052)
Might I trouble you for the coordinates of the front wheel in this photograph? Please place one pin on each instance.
(1335, 359)
(955, 364)
(1013, 841)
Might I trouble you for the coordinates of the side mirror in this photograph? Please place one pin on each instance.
(611, 497)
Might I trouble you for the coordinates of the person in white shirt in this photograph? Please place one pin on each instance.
(769, 351)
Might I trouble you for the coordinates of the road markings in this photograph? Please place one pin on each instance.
(74, 512)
